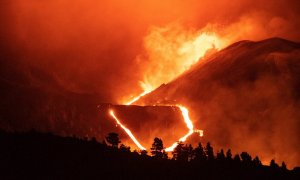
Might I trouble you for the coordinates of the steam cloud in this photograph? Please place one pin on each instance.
(91, 46)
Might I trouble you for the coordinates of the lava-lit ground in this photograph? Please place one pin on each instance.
(147, 122)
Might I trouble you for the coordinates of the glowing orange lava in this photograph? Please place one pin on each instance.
(186, 117)
(111, 112)
(137, 98)
(173, 51)
(190, 126)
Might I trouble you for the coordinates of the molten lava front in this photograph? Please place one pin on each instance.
(111, 112)
(187, 120)
(181, 49)
(138, 97)
(190, 126)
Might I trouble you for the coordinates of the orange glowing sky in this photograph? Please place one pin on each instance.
(114, 50)
(90, 46)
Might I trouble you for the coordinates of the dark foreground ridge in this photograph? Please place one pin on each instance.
(35, 155)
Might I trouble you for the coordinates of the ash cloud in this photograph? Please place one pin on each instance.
(91, 47)
(245, 97)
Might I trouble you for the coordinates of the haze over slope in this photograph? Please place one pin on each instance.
(90, 46)
(245, 97)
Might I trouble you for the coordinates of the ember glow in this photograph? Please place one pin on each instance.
(172, 50)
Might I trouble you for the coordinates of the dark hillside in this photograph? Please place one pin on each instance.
(44, 156)
(247, 96)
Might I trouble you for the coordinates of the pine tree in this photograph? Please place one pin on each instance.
(273, 164)
(237, 158)
(221, 155)
(157, 148)
(228, 154)
(283, 166)
(164, 154)
(190, 152)
(178, 151)
(246, 158)
(199, 153)
(143, 153)
(113, 139)
(124, 148)
(256, 161)
(209, 152)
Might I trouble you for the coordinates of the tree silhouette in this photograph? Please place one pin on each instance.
(157, 149)
(178, 151)
(113, 139)
(246, 158)
(256, 161)
(209, 152)
(124, 148)
(283, 166)
(237, 158)
(189, 152)
(199, 153)
(221, 155)
(29, 152)
(143, 153)
(273, 164)
(228, 154)
(164, 154)
(183, 152)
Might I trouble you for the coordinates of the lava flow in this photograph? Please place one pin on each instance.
(190, 126)
(138, 97)
(111, 112)
(187, 120)
(185, 51)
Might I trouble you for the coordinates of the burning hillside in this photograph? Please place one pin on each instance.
(245, 96)
(163, 62)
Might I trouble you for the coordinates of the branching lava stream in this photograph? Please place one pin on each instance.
(187, 120)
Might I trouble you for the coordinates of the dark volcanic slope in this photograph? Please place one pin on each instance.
(35, 100)
(245, 96)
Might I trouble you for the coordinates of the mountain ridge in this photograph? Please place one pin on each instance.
(248, 86)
